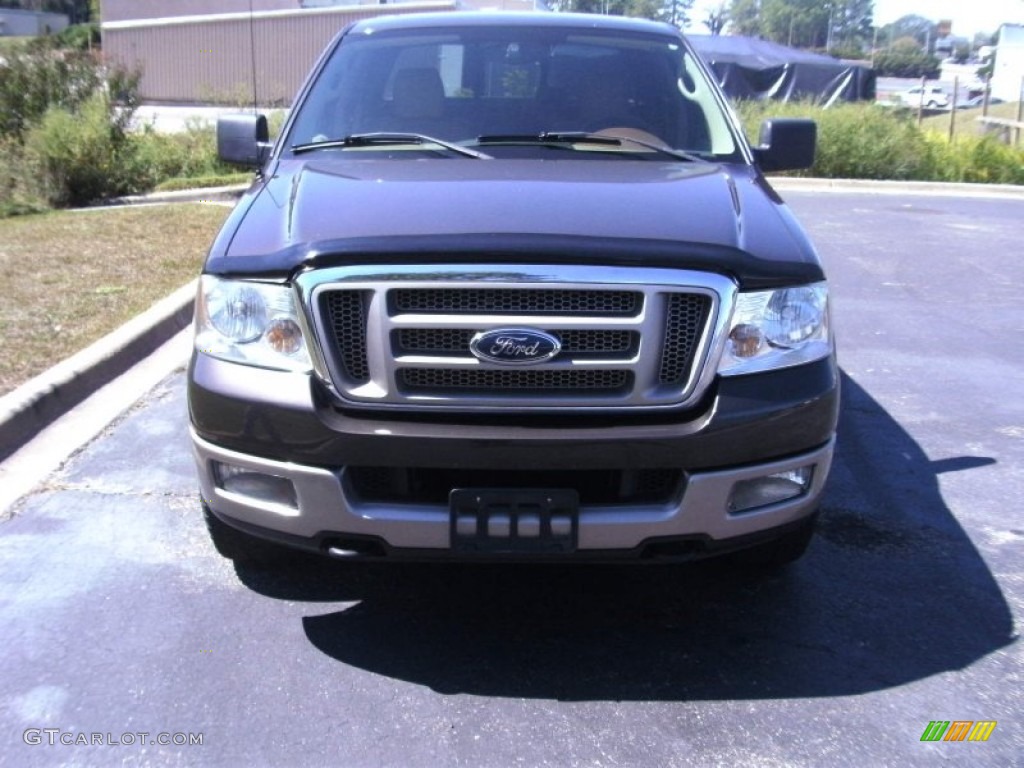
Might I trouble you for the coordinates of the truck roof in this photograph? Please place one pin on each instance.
(509, 19)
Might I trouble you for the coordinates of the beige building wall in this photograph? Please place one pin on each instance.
(208, 59)
(127, 10)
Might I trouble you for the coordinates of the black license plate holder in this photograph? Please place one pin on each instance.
(514, 521)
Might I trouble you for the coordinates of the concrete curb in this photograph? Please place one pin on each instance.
(41, 400)
(872, 187)
(229, 193)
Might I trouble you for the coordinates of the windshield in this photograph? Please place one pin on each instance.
(517, 84)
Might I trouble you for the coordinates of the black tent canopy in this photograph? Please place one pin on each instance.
(749, 68)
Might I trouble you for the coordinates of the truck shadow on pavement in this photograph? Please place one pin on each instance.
(891, 591)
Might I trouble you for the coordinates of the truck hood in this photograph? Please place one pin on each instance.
(691, 215)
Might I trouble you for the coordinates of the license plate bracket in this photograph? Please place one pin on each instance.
(514, 521)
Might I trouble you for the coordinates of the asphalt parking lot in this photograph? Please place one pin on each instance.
(117, 618)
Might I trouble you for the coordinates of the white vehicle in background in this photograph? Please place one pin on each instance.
(931, 96)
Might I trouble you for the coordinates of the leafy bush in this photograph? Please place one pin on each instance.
(79, 37)
(84, 155)
(865, 141)
(190, 153)
(855, 141)
(850, 50)
(38, 77)
(978, 159)
(20, 191)
(906, 62)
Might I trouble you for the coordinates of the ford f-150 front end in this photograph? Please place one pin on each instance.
(513, 287)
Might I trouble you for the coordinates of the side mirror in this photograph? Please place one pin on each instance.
(243, 139)
(786, 144)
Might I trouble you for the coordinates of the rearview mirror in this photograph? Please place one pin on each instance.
(243, 139)
(786, 144)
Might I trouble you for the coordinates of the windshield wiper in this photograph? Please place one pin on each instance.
(388, 139)
(583, 137)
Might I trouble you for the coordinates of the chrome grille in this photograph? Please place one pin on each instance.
(398, 336)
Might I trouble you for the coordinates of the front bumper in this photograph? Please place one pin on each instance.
(280, 424)
(327, 510)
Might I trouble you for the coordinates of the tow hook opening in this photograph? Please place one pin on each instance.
(353, 549)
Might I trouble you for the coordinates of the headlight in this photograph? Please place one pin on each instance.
(249, 322)
(777, 329)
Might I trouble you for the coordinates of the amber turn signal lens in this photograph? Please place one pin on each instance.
(284, 336)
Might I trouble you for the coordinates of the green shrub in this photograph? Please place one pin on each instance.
(976, 159)
(39, 75)
(190, 153)
(855, 141)
(84, 155)
(20, 191)
(868, 142)
(899, 61)
(79, 37)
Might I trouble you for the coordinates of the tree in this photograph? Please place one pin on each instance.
(904, 58)
(644, 9)
(677, 12)
(852, 22)
(745, 18)
(799, 23)
(716, 19)
(672, 11)
(917, 27)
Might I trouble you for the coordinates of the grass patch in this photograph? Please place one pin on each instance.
(74, 276)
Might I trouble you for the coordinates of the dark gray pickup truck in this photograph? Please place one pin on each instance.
(512, 287)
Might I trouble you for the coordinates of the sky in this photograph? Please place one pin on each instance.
(968, 16)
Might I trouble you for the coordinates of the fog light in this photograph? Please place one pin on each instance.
(257, 485)
(770, 489)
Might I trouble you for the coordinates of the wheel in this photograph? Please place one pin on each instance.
(237, 545)
(778, 553)
(933, 104)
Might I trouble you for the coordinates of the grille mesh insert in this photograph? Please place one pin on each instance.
(345, 312)
(686, 316)
(516, 301)
(520, 382)
(432, 485)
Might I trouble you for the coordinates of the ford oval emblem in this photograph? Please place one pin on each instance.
(514, 346)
